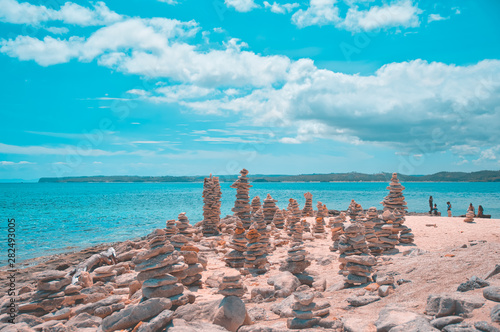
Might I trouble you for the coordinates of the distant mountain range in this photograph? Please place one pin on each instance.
(481, 176)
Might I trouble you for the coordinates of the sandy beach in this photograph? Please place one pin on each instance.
(446, 253)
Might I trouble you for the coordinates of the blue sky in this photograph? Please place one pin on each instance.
(192, 87)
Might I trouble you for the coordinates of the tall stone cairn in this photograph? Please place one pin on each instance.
(279, 219)
(395, 202)
(355, 259)
(211, 206)
(255, 205)
(260, 225)
(294, 216)
(269, 208)
(337, 230)
(373, 227)
(242, 204)
(236, 257)
(308, 211)
(320, 218)
(184, 226)
(255, 254)
(389, 231)
(160, 269)
(297, 261)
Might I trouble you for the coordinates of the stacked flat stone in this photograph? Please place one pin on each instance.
(171, 228)
(320, 218)
(241, 205)
(405, 233)
(255, 206)
(260, 225)
(187, 249)
(184, 226)
(236, 257)
(469, 216)
(388, 233)
(353, 210)
(255, 253)
(294, 215)
(395, 199)
(232, 285)
(370, 235)
(356, 262)
(211, 206)
(269, 208)
(308, 207)
(279, 219)
(297, 261)
(337, 230)
(302, 311)
(160, 269)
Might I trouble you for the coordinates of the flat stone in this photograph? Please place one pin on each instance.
(297, 323)
(454, 304)
(495, 313)
(49, 275)
(358, 301)
(166, 279)
(304, 298)
(441, 322)
(492, 293)
(162, 291)
(158, 323)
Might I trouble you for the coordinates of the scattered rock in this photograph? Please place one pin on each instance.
(285, 283)
(257, 314)
(384, 290)
(441, 305)
(158, 323)
(390, 317)
(359, 301)
(492, 293)
(485, 327)
(231, 313)
(440, 323)
(473, 283)
(495, 313)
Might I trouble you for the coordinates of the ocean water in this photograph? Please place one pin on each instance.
(60, 217)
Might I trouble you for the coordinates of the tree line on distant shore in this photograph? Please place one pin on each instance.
(481, 176)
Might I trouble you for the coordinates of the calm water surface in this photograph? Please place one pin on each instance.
(58, 217)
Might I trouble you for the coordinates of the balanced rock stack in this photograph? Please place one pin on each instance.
(171, 228)
(308, 207)
(354, 209)
(293, 218)
(269, 208)
(255, 254)
(356, 262)
(241, 205)
(279, 219)
(469, 216)
(255, 206)
(370, 236)
(260, 225)
(388, 232)
(211, 206)
(395, 199)
(184, 226)
(236, 257)
(373, 230)
(193, 273)
(302, 311)
(320, 219)
(297, 261)
(160, 268)
(232, 285)
(337, 226)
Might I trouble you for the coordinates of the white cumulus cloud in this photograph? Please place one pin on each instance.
(319, 12)
(281, 8)
(241, 5)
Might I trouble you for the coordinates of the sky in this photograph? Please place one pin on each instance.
(192, 87)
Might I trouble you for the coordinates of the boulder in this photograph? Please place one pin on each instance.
(420, 324)
(231, 313)
(390, 317)
(283, 308)
(492, 293)
(359, 301)
(285, 283)
(158, 323)
(84, 320)
(453, 304)
(441, 322)
(485, 327)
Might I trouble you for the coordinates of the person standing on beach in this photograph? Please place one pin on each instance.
(430, 205)
(449, 209)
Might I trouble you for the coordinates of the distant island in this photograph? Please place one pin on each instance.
(481, 176)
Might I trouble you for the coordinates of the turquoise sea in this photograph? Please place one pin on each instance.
(59, 217)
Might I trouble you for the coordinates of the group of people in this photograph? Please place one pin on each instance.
(434, 210)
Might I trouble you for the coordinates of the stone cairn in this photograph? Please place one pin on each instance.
(184, 226)
(279, 219)
(171, 228)
(373, 231)
(255, 254)
(269, 208)
(260, 225)
(369, 232)
(308, 207)
(297, 261)
(160, 269)
(337, 226)
(353, 210)
(231, 285)
(302, 311)
(469, 216)
(319, 225)
(405, 235)
(355, 261)
(189, 251)
(236, 258)
(241, 205)
(255, 206)
(211, 206)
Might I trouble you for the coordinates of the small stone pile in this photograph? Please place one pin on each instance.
(255, 206)
(337, 226)
(373, 231)
(184, 226)
(241, 205)
(308, 207)
(395, 198)
(255, 254)
(297, 261)
(160, 269)
(320, 218)
(193, 273)
(260, 225)
(356, 262)
(236, 258)
(302, 311)
(405, 234)
(353, 210)
(469, 216)
(232, 285)
(388, 233)
(269, 208)
(171, 228)
(211, 206)
(279, 219)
